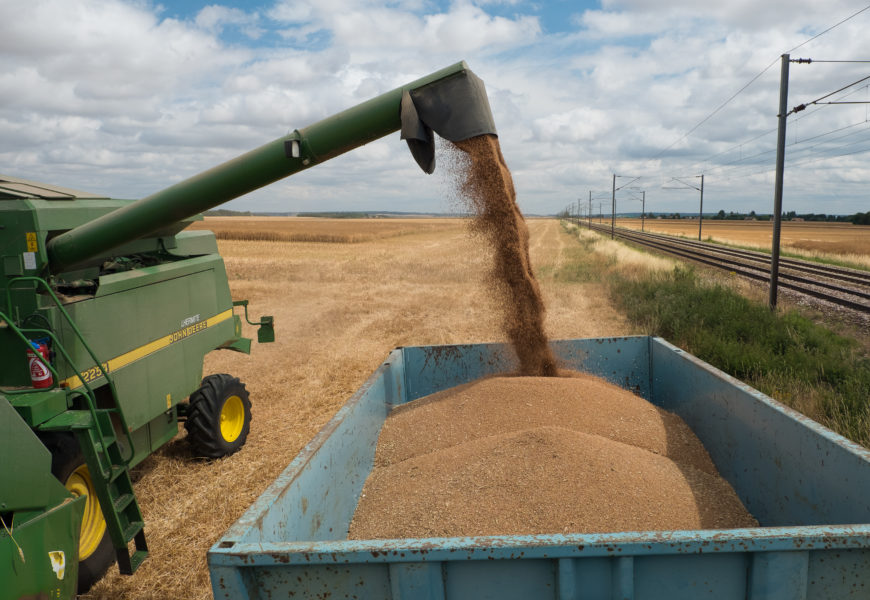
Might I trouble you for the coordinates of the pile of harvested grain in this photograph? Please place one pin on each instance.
(485, 182)
(499, 405)
(540, 455)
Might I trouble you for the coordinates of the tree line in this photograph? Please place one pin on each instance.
(858, 218)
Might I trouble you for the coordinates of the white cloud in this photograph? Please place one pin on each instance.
(114, 97)
(215, 18)
(604, 24)
(393, 28)
(799, 16)
(577, 125)
(292, 12)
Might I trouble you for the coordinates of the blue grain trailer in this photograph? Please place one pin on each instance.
(808, 487)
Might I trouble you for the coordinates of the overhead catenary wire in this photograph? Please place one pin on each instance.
(807, 160)
(801, 107)
(719, 108)
(810, 113)
(753, 80)
(832, 27)
(814, 160)
(795, 159)
(732, 166)
(756, 137)
(736, 146)
(748, 141)
(629, 183)
(833, 152)
(814, 147)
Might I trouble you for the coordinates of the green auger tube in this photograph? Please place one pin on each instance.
(452, 102)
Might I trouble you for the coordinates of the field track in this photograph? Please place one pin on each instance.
(849, 288)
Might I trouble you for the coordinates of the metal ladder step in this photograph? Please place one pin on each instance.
(123, 501)
(111, 478)
(128, 563)
(117, 471)
(132, 529)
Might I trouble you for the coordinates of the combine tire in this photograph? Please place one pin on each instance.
(219, 416)
(96, 553)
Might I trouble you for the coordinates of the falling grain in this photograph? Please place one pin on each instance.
(486, 184)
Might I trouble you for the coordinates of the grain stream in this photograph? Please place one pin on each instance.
(485, 183)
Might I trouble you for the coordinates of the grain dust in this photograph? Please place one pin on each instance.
(485, 182)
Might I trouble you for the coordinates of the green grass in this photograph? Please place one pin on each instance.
(783, 354)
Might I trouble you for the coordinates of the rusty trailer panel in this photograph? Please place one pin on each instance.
(808, 487)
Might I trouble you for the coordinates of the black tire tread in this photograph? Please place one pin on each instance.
(203, 418)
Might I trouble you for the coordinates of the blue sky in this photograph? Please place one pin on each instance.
(555, 16)
(124, 97)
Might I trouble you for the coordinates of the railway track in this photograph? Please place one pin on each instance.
(844, 287)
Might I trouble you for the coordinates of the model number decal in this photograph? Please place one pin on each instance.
(90, 374)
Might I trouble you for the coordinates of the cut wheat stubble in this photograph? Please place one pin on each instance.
(514, 456)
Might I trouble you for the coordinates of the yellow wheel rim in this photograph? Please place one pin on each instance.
(232, 419)
(93, 523)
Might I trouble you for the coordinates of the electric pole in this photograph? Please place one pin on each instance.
(777, 188)
(613, 208)
(701, 210)
(642, 208)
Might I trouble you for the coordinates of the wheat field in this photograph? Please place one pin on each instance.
(307, 229)
(339, 309)
(837, 241)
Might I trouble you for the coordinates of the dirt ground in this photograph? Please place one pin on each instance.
(339, 309)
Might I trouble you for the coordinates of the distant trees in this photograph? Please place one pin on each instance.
(858, 218)
(735, 216)
(861, 218)
(225, 212)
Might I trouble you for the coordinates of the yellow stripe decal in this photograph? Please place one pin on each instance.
(113, 364)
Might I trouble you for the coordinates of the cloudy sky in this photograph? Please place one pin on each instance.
(124, 97)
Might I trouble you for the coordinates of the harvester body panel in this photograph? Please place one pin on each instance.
(39, 541)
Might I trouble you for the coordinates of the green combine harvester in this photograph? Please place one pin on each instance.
(107, 310)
